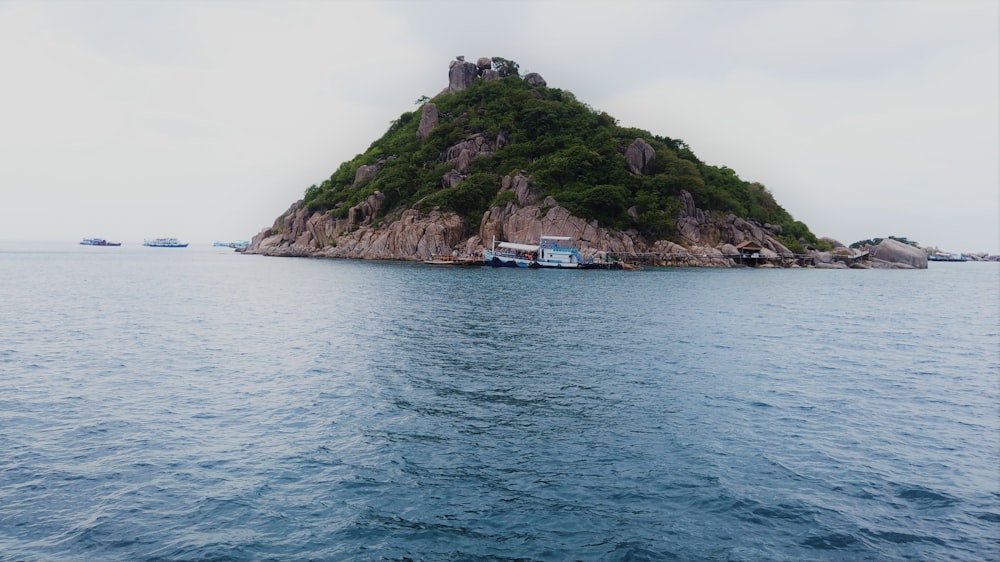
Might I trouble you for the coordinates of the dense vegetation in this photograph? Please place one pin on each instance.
(875, 242)
(568, 151)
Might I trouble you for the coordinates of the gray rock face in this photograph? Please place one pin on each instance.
(363, 212)
(640, 157)
(412, 236)
(526, 224)
(365, 173)
(893, 253)
(519, 185)
(460, 75)
(451, 178)
(535, 79)
(428, 120)
(690, 210)
(474, 145)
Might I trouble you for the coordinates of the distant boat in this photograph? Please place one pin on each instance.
(946, 256)
(237, 244)
(98, 242)
(164, 243)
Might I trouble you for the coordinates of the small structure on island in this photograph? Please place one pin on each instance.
(750, 253)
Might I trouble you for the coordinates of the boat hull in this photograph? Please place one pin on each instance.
(164, 243)
(499, 260)
(558, 264)
(98, 242)
(459, 262)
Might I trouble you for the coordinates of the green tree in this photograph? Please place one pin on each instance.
(506, 67)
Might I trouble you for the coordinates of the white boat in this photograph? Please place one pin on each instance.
(98, 242)
(510, 254)
(454, 260)
(237, 244)
(553, 254)
(164, 243)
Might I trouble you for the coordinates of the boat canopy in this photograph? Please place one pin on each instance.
(557, 238)
(520, 247)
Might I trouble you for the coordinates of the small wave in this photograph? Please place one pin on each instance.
(927, 498)
(634, 550)
(902, 538)
(835, 541)
(785, 512)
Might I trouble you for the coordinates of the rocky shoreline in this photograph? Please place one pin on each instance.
(412, 235)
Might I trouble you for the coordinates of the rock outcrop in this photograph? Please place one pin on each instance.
(891, 253)
(416, 235)
(535, 79)
(461, 74)
(429, 118)
(640, 156)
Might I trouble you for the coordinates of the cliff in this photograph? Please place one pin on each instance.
(497, 155)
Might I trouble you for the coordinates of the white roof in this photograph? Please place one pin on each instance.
(522, 247)
(557, 237)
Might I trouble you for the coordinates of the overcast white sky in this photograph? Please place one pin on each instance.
(205, 120)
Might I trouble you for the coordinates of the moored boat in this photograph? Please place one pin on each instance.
(454, 260)
(98, 242)
(164, 243)
(510, 254)
(946, 256)
(553, 253)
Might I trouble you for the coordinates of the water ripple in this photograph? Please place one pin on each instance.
(266, 409)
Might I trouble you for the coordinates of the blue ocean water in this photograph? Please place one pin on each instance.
(197, 404)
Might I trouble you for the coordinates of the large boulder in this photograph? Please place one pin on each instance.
(473, 146)
(519, 185)
(893, 253)
(461, 74)
(688, 208)
(363, 212)
(428, 120)
(639, 157)
(535, 79)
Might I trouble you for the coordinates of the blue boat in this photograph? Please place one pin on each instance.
(551, 251)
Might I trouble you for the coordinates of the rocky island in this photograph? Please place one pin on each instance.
(498, 155)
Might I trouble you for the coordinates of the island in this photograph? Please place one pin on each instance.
(500, 156)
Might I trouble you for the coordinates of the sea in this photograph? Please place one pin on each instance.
(200, 404)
